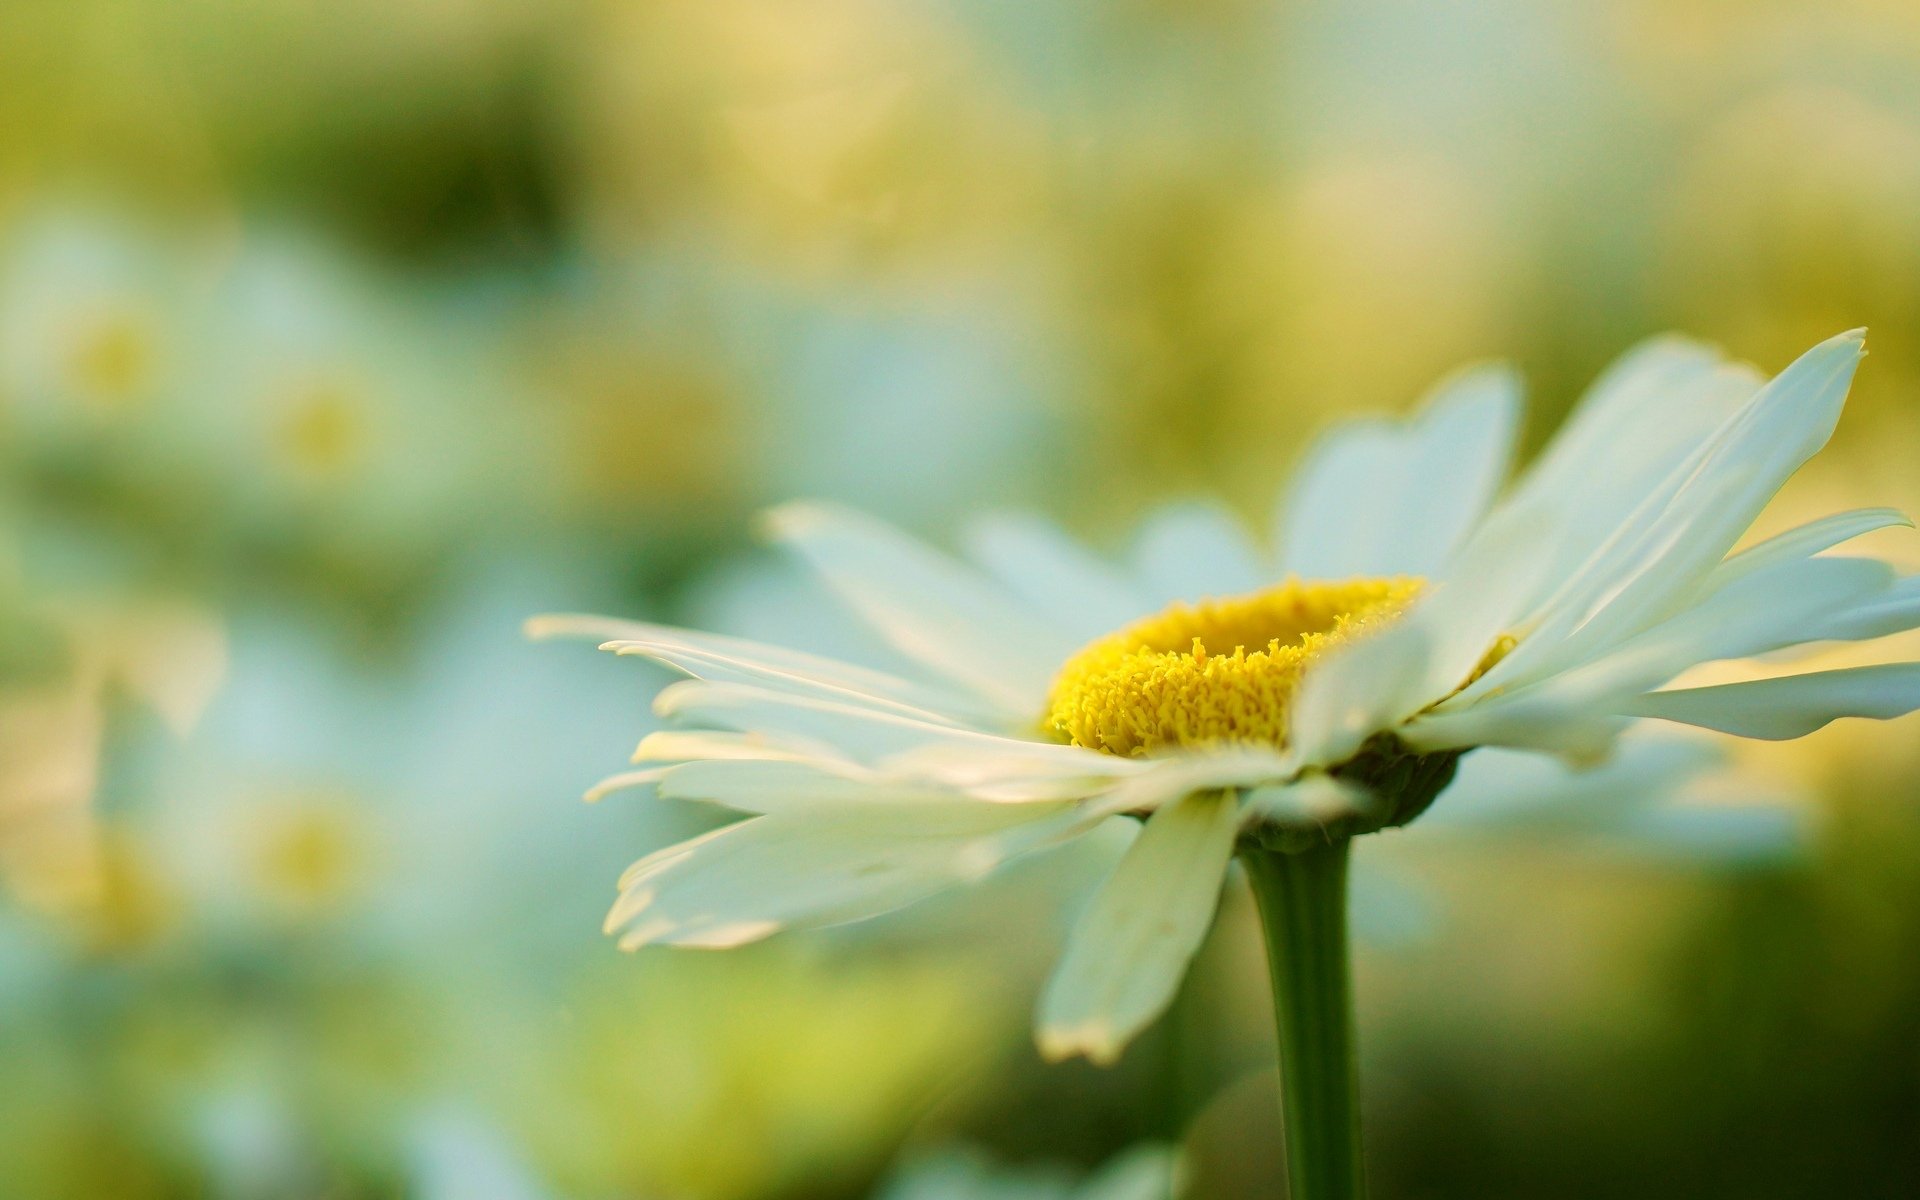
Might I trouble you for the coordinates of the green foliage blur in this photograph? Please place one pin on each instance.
(335, 339)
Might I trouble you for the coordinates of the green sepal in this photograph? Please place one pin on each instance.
(1403, 785)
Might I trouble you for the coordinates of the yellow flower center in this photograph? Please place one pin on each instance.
(1217, 671)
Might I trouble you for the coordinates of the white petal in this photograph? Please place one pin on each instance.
(1168, 780)
(1769, 439)
(1036, 561)
(789, 785)
(1394, 498)
(1424, 658)
(929, 607)
(1312, 800)
(1767, 610)
(1805, 541)
(983, 766)
(716, 656)
(1016, 772)
(1190, 550)
(1893, 611)
(1770, 609)
(1550, 724)
(864, 734)
(621, 782)
(1127, 954)
(1791, 706)
(1779, 602)
(1652, 410)
(1358, 691)
(1669, 545)
(717, 668)
(1484, 596)
(1551, 640)
(681, 745)
(822, 867)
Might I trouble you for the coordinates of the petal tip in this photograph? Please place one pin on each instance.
(671, 700)
(1095, 1043)
(791, 519)
(1854, 340)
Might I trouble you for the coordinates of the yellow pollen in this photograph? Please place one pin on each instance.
(1216, 671)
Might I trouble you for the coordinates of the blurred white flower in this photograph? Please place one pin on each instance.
(318, 384)
(92, 325)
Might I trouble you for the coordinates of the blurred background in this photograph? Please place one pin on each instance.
(336, 339)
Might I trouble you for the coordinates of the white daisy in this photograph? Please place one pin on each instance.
(1410, 611)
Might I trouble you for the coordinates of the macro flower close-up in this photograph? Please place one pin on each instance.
(1273, 702)
(959, 600)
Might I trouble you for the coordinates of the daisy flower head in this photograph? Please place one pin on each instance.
(1414, 606)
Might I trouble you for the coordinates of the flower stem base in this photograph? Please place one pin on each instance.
(1302, 899)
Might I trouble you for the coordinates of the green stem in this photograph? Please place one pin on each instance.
(1303, 909)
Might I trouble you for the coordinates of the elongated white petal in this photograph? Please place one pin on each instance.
(929, 607)
(1037, 561)
(1168, 780)
(1769, 609)
(1791, 706)
(1646, 415)
(1550, 724)
(1127, 954)
(1312, 800)
(1617, 423)
(1772, 606)
(1017, 773)
(1461, 618)
(1804, 542)
(1432, 651)
(1393, 498)
(1550, 639)
(716, 656)
(789, 785)
(864, 734)
(1356, 692)
(823, 866)
(1761, 446)
(682, 745)
(1190, 550)
(723, 669)
(986, 766)
(1669, 545)
(1895, 610)
(623, 781)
